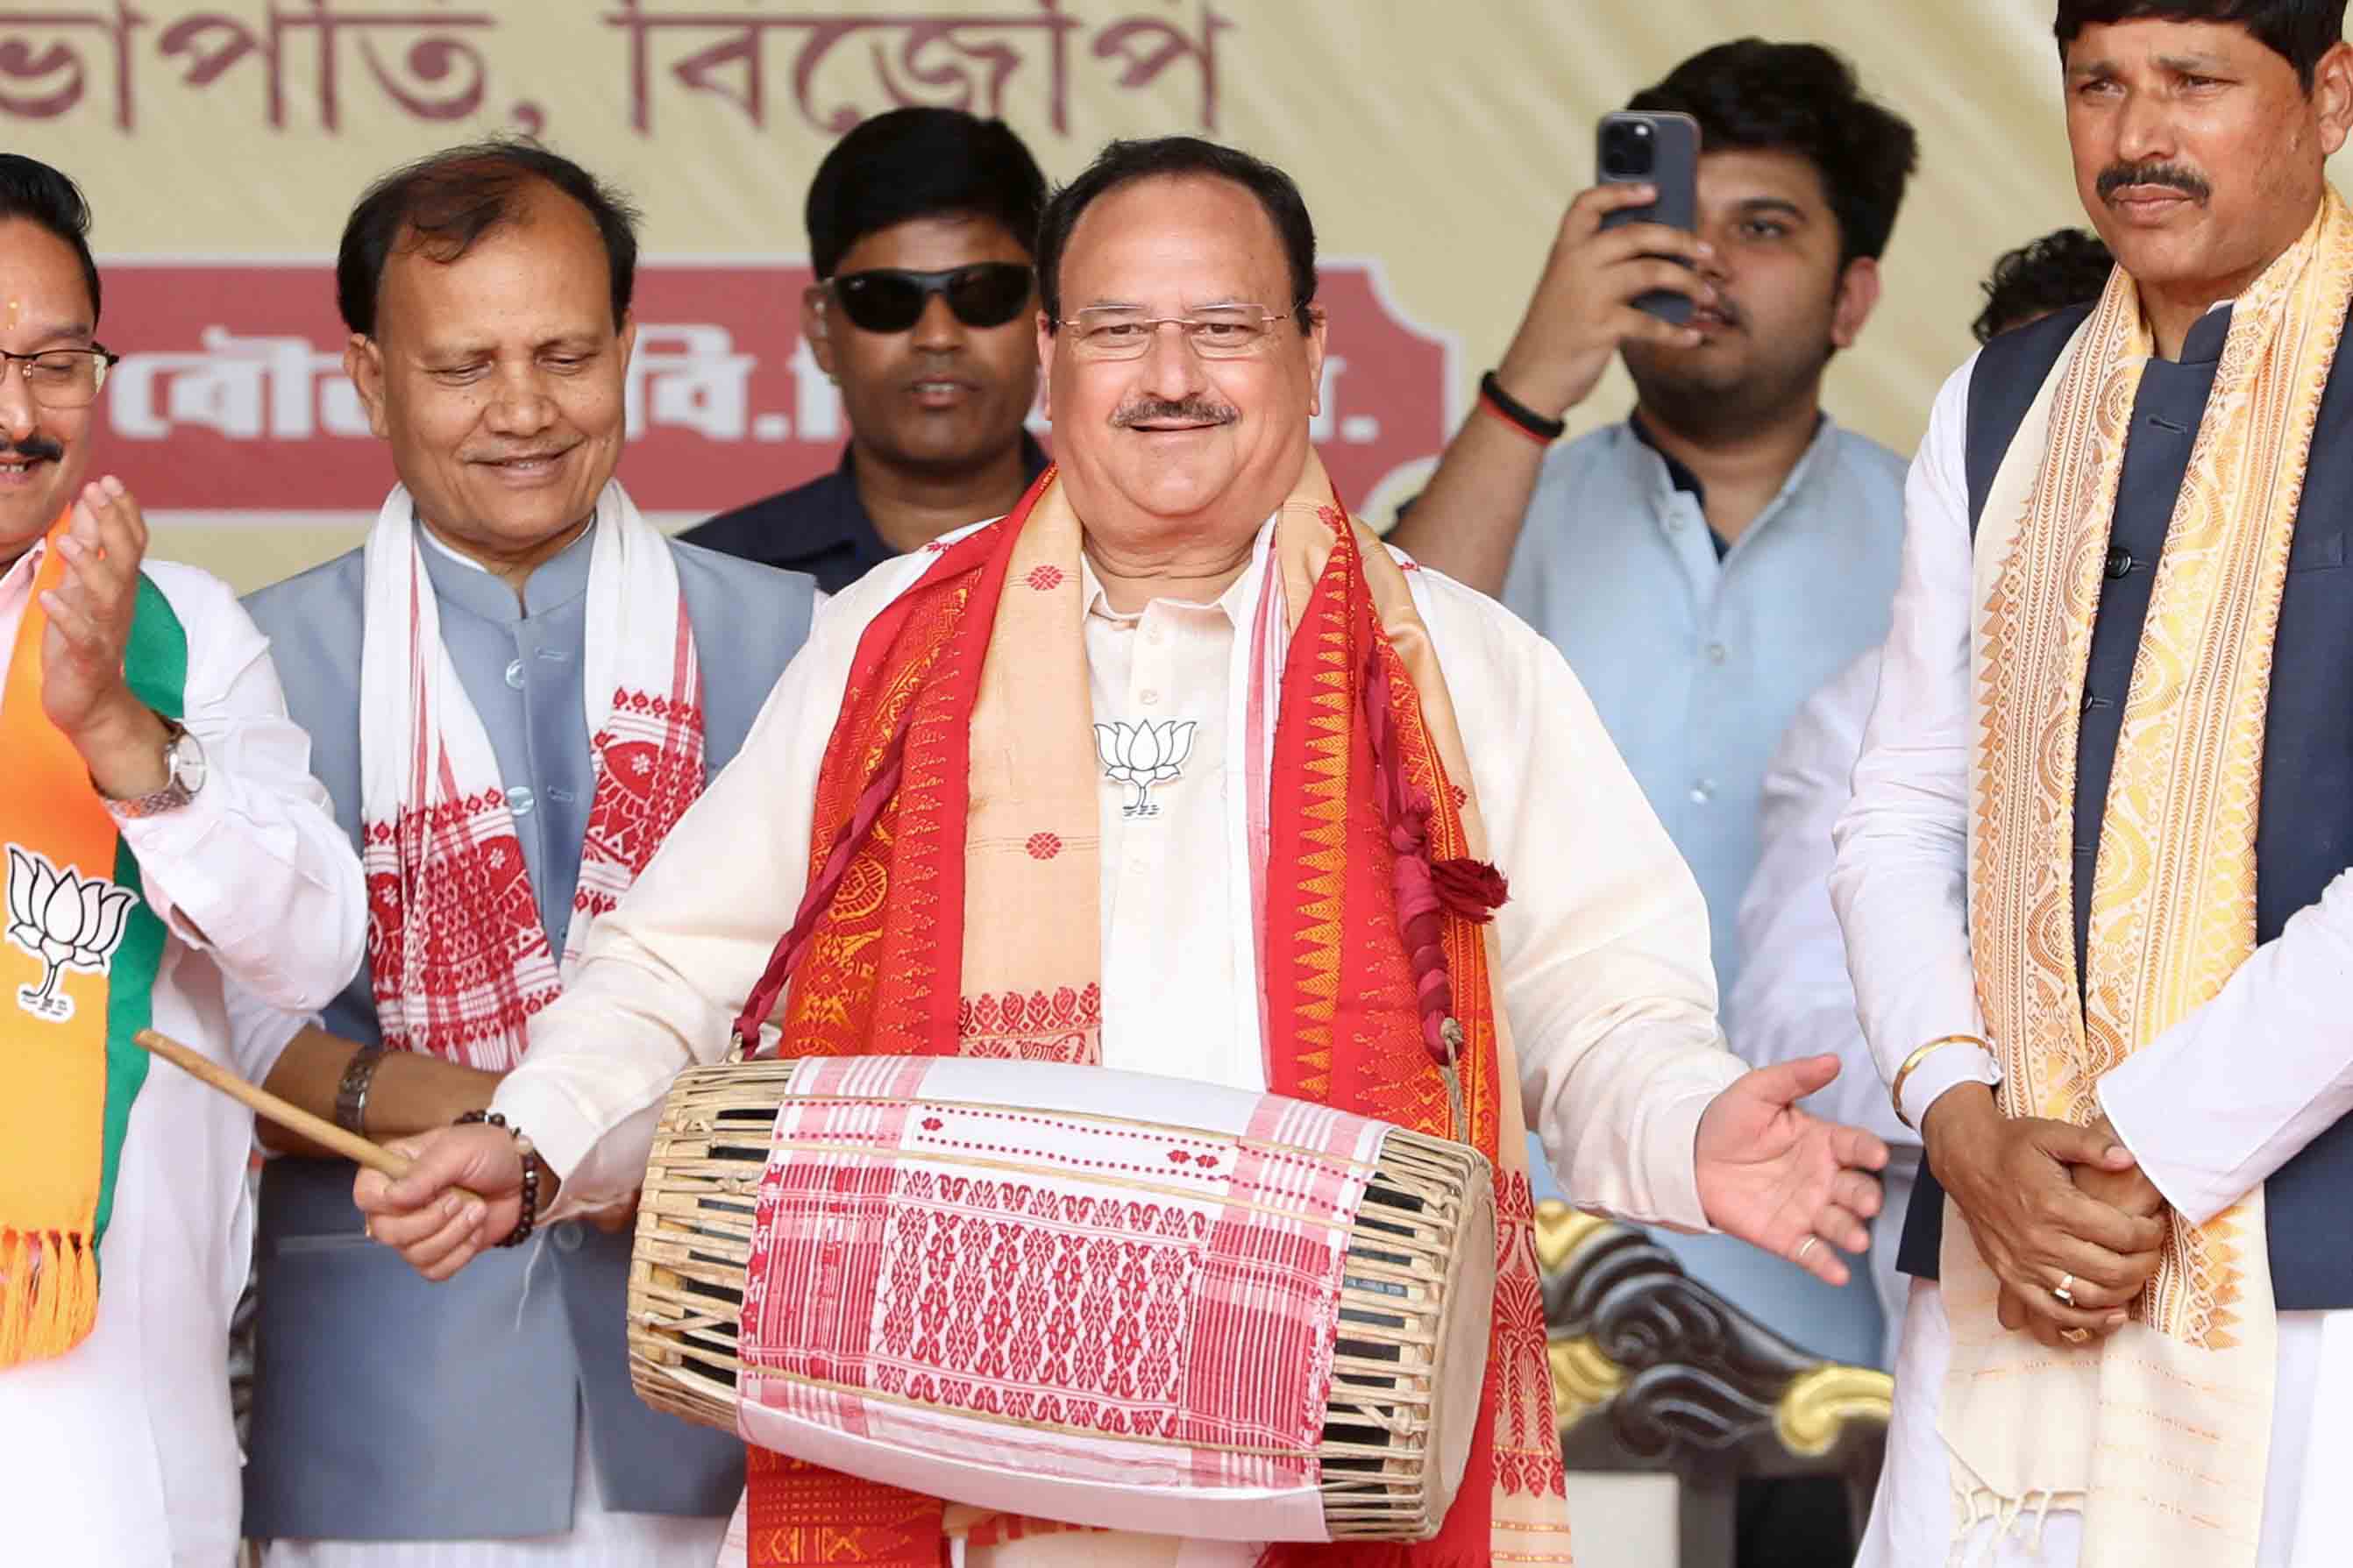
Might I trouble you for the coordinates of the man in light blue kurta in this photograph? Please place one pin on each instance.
(489, 1422)
(1709, 561)
(1696, 649)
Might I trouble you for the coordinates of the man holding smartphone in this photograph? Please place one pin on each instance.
(1710, 559)
(1708, 562)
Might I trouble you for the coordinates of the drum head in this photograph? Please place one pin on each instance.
(1458, 1373)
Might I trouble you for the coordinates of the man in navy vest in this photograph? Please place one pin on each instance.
(1793, 998)
(2092, 879)
(512, 688)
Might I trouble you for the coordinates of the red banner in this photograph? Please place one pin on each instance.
(231, 395)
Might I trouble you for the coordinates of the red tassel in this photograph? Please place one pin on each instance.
(1471, 889)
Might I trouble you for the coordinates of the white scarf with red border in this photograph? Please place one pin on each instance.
(458, 957)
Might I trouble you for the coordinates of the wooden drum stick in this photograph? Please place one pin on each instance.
(263, 1103)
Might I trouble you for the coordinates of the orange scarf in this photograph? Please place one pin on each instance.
(951, 909)
(78, 966)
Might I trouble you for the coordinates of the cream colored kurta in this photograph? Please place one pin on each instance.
(1604, 941)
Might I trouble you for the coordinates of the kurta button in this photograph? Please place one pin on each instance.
(1147, 698)
(567, 1236)
(514, 675)
(1715, 653)
(520, 802)
(1702, 792)
(2120, 560)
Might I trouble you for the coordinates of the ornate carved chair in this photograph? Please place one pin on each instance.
(1669, 1395)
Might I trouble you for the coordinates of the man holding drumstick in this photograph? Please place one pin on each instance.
(1186, 574)
(163, 833)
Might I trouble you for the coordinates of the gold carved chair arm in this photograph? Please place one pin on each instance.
(1655, 1371)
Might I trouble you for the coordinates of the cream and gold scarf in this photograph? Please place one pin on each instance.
(2159, 1435)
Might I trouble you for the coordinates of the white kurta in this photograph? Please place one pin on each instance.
(2203, 1127)
(1793, 998)
(1605, 970)
(120, 1451)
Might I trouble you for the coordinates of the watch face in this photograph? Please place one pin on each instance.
(187, 763)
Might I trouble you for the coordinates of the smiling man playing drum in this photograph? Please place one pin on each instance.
(1299, 902)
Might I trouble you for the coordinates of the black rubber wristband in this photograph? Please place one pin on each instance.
(1519, 413)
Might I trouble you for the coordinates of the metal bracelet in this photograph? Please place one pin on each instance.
(1896, 1090)
(352, 1092)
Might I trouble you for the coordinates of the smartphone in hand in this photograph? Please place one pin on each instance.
(1660, 151)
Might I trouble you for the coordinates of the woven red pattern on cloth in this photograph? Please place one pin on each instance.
(453, 875)
(883, 968)
(1054, 1307)
(483, 965)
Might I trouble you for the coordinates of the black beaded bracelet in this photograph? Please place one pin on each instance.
(1519, 413)
(530, 1217)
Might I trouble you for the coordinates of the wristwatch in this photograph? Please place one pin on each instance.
(184, 762)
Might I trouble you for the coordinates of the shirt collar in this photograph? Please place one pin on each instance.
(19, 572)
(842, 522)
(462, 580)
(2203, 344)
(1678, 474)
(1238, 602)
(1680, 477)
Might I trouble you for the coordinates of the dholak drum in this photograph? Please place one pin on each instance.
(1070, 1293)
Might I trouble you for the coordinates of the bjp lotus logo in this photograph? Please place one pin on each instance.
(63, 921)
(1144, 755)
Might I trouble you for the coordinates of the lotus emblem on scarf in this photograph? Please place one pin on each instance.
(1144, 755)
(66, 922)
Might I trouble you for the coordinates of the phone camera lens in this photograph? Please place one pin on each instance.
(1626, 151)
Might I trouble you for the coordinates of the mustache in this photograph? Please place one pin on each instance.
(1728, 309)
(2188, 181)
(33, 449)
(1195, 410)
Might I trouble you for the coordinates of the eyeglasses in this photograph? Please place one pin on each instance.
(61, 378)
(893, 300)
(1217, 332)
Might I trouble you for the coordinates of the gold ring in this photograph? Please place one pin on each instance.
(367, 1228)
(1803, 1247)
(2065, 1290)
(2075, 1336)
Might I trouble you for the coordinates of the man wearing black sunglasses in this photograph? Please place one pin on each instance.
(920, 225)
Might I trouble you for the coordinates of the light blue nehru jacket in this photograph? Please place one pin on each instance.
(1696, 664)
(386, 1408)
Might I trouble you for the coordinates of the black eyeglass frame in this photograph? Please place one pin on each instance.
(841, 290)
(106, 360)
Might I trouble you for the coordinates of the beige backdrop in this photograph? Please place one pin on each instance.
(1437, 138)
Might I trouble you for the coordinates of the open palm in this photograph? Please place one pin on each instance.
(1783, 1180)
